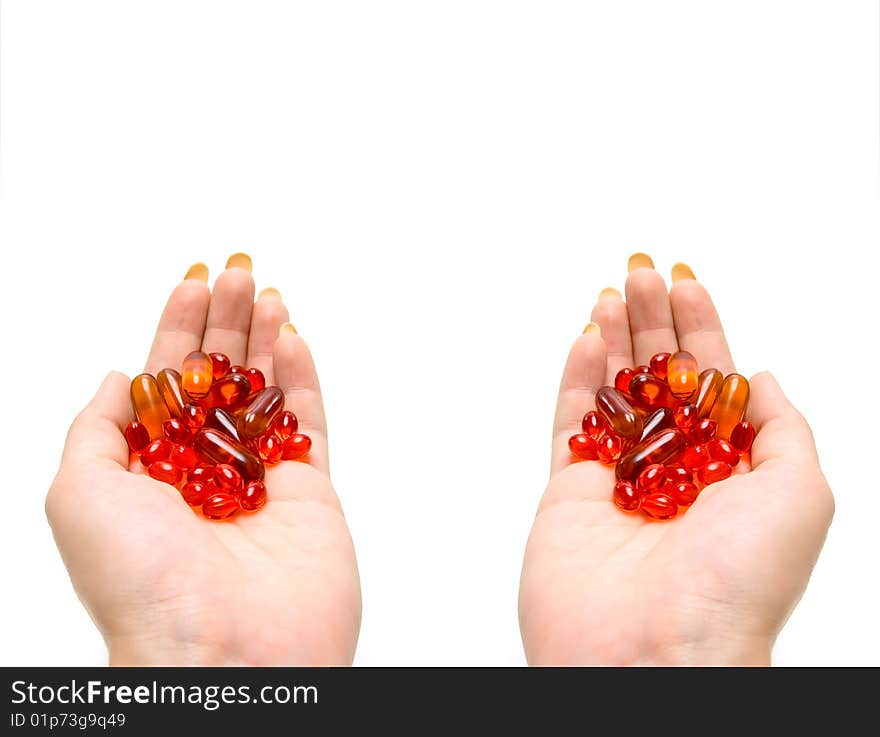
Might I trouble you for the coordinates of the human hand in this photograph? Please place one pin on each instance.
(712, 586)
(167, 586)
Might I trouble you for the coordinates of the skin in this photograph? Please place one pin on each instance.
(713, 586)
(163, 584)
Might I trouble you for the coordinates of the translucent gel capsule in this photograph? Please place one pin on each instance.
(714, 471)
(165, 471)
(643, 369)
(660, 364)
(707, 391)
(220, 448)
(721, 450)
(261, 412)
(659, 505)
(229, 392)
(659, 448)
(157, 450)
(684, 493)
(193, 416)
(175, 430)
(695, 457)
(253, 497)
(593, 425)
(137, 436)
(285, 425)
(742, 436)
(184, 456)
(652, 477)
(270, 448)
(618, 412)
(582, 446)
(608, 449)
(220, 365)
(677, 474)
(296, 447)
(172, 391)
(220, 506)
(648, 392)
(258, 381)
(226, 478)
(220, 419)
(704, 431)
(621, 381)
(197, 374)
(730, 406)
(201, 473)
(148, 405)
(625, 496)
(686, 416)
(681, 374)
(194, 493)
(236, 369)
(660, 419)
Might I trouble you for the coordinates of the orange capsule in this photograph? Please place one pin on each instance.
(253, 497)
(261, 412)
(582, 446)
(148, 405)
(220, 448)
(296, 447)
(196, 374)
(618, 412)
(172, 391)
(659, 448)
(730, 406)
(707, 391)
(220, 506)
(659, 505)
(681, 374)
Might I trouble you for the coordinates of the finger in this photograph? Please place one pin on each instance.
(650, 317)
(229, 316)
(582, 377)
(96, 433)
(296, 375)
(783, 433)
(610, 315)
(269, 314)
(697, 324)
(182, 323)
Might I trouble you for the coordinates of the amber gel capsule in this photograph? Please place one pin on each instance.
(659, 448)
(196, 374)
(172, 391)
(221, 420)
(261, 412)
(681, 374)
(220, 448)
(659, 419)
(707, 391)
(731, 404)
(618, 412)
(148, 405)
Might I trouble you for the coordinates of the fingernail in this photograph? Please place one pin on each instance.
(682, 271)
(269, 292)
(640, 261)
(197, 271)
(610, 292)
(239, 261)
(287, 328)
(592, 328)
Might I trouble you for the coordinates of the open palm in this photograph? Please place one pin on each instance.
(714, 585)
(165, 585)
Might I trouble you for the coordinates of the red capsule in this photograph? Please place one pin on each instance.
(695, 457)
(220, 365)
(229, 392)
(704, 430)
(220, 448)
(684, 493)
(653, 477)
(742, 436)
(158, 450)
(649, 392)
(270, 448)
(720, 450)
(197, 374)
(681, 374)
(258, 381)
(625, 496)
(583, 447)
(265, 406)
(237, 369)
(676, 474)
(660, 419)
(659, 362)
(193, 416)
(184, 456)
(194, 493)
(175, 430)
(137, 436)
(295, 447)
(659, 505)
(201, 473)
(618, 412)
(608, 449)
(165, 471)
(285, 425)
(659, 448)
(643, 369)
(714, 471)
(226, 478)
(254, 496)
(220, 506)
(686, 416)
(621, 381)
(593, 425)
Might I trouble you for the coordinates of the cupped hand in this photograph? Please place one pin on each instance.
(167, 586)
(715, 584)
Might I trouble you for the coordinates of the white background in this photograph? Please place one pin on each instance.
(440, 191)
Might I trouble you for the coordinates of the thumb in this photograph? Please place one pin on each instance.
(783, 433)
(96, 433)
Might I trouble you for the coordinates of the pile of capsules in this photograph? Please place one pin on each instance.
(669, 430)
(209, 429)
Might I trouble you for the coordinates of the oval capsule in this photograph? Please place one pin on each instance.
(220, 448)
(230, 392)
(681, 374)
(648, 392)
(707, 391)
(660, 419)
(618, 412)
(261, 412)
(220, 419)
(731, 404)
(659, 506)
(172, 391)
(148, 405)
(196, 374)
(659, 448)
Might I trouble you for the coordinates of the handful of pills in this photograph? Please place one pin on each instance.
(210, 430)
(668, 430)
